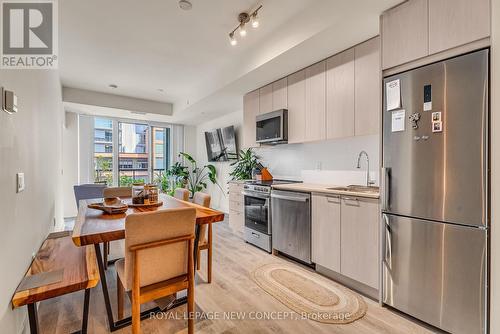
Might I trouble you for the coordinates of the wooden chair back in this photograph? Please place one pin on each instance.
(158, 242)
(182, 194)
(203, 200)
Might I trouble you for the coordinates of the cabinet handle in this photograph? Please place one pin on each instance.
(352, 201)
(333, 199)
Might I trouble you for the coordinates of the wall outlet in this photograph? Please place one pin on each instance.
(20, 182)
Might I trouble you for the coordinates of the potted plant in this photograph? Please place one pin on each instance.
(247, 161)
(197, 177)
(174, 177)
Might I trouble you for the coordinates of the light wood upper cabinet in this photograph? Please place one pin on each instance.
(266, 99)
(405, 33)
(457, 22)
(250, 111)
(316, 101)
(280, 94)
(340, 95)
(367, 78)
(360, 240)
(296, 92)
(325, 211)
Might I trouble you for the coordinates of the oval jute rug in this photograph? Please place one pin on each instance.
(310, 295)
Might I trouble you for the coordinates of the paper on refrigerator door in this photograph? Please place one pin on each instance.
(393, 94)
(398, 120)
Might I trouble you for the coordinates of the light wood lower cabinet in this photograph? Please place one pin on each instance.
(360, 240)
(326, 231)
(345, 236)
(236, 207)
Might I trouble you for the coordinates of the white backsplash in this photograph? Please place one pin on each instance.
(329, 161)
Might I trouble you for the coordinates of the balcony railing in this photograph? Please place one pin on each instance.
(129, 176)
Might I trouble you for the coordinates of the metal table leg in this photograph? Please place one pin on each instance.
(33, 318)
(33, 315)
(85, 320)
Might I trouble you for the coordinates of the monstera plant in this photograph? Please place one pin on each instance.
(197, 177)
(247, 161)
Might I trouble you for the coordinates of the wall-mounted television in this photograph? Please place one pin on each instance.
(221, 144)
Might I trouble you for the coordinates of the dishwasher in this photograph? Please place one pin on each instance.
(291, 224)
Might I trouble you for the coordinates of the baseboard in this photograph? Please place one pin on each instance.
(366, 290)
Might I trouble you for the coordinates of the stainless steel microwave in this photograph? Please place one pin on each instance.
(272, 127)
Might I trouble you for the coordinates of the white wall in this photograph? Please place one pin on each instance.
(495, 170)
(286, 161)
(70, 162)
(30, 142)
(198, 150)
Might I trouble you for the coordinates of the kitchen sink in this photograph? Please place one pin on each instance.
(356, 188)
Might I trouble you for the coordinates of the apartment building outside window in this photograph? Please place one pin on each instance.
(140, 151)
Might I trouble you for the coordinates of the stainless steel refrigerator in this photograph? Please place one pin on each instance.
(435, 193)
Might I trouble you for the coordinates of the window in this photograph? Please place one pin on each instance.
(159, 164)
(103, 123)
(133, 153)
(140, 151)
(103, 150)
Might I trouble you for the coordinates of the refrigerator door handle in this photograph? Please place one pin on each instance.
(388, 243)
(386, 190)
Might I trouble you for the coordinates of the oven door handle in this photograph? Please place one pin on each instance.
(252, 194)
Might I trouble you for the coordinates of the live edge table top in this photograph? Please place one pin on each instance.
(93, 226)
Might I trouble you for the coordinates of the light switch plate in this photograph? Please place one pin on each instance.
(20, 182)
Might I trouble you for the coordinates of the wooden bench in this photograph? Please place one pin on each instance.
(58, 268)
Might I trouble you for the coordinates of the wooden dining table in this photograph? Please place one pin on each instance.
(93, 227)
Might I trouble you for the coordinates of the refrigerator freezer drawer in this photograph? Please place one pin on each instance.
(436, 272)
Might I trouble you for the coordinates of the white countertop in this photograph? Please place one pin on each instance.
(323, 188)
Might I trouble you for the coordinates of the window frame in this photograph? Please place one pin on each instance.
(168, 158)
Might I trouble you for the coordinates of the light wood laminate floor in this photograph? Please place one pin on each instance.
(232, 290)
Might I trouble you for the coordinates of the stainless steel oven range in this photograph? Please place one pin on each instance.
(257, 201)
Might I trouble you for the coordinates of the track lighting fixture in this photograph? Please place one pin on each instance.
(245, 18)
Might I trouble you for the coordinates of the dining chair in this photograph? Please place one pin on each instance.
(88, 191)
(182, 194)
(158, 260)
(111, 192)
(115, 249)
(205, 241)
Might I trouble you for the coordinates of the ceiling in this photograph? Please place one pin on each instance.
(154, 50)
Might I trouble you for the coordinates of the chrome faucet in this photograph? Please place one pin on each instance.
(368, 181)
